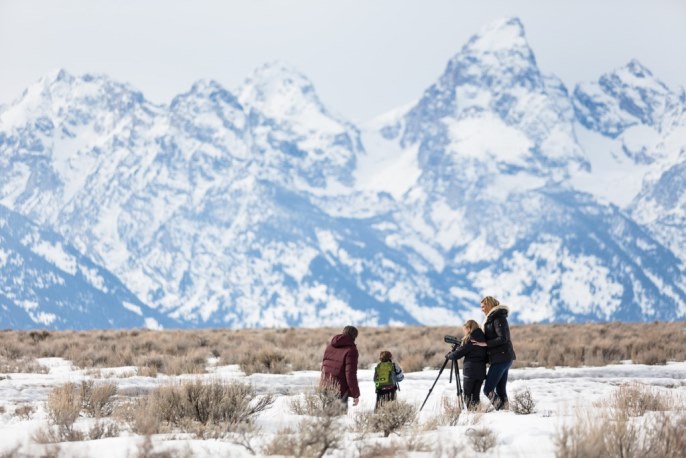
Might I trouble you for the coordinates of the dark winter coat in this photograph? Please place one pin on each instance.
(474, 356)
(340, 365)
(498, 343)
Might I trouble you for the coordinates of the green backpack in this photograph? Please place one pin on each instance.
(384, 375)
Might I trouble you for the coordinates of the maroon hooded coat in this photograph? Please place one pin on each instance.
(340, 364)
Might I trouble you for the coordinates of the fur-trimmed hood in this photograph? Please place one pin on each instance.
(500, 309)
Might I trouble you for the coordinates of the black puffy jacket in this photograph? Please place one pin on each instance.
(474, 356)
(498, 343)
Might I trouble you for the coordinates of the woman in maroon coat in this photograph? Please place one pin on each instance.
(339, 366)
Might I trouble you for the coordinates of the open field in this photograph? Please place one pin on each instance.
(604, 389)
(281, 350)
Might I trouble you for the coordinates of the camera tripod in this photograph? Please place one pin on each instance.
(454, 365)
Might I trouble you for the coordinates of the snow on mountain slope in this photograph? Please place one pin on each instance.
(644, 128)
(661, 204)
(46, 283)
(623, 98)
(296, 134)
(494, 136)
(262, 208)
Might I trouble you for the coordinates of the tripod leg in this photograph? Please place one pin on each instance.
(432, 386)
(460, 393)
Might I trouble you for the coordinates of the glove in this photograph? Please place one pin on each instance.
(449, 355)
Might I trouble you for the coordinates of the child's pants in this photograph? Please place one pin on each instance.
(384, 396)
(471, 388)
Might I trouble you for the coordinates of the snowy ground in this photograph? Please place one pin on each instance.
(557, 392)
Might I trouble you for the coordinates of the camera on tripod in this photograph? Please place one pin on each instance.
(452, 340)
(454, 366)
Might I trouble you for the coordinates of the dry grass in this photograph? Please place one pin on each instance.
(634, 423)
(25, 411)
(64, 406)
(97, 399)
(634, 399)
(207, 409)
(392, 450)
(318, 433)
(279, 350)
(319, 401)
(390, 417)
(451, 411)
(482, 439)
(522, 403)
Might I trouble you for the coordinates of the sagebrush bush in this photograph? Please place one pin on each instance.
(181, 405)
(319, 401)
(596, 434)
(522, 403)
(482, 439)
(265, 361)
(313, 438)
(25, 411)
(451, 409)
(63, 407)
(186, 351)
(388, 418)
(102, 429)
(97, 399)
(613, 431)
(375, 450)
(635, 399)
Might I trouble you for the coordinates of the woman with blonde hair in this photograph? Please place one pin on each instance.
(499, 350)
(474, 370)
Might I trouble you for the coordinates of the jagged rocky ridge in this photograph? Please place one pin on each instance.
(248, 208)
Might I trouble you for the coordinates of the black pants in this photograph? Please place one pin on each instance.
(384, 396)
(471, 388)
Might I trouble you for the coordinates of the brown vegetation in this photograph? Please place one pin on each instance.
(522, 403)
(388, 418)
(204, 408)
(280, 350)
(315, 435)
(482, 438)
(611, 429)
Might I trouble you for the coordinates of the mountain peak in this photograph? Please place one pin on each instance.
(277, 87)
(279, 71)
(205, 86)
(207, 89)
(501, 34)
(635, 74)
(282, 93)
(637, 69)
(56, 75)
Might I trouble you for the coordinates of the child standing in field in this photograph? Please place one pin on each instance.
(474, 370)
(387, 375)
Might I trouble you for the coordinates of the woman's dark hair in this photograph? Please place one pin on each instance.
(385, 356)
(351, 331)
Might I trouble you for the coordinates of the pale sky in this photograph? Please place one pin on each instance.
(365, 57)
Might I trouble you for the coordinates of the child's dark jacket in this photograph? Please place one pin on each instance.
(474, 356)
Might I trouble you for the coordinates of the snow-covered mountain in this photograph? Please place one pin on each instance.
(262, 208)
(497, 151)
(44, 282)
(644, 126)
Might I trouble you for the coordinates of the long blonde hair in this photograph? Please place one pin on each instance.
(490, 301)
(471, 325)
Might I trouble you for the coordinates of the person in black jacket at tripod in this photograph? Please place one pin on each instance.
(499, 349)
(474, 368)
